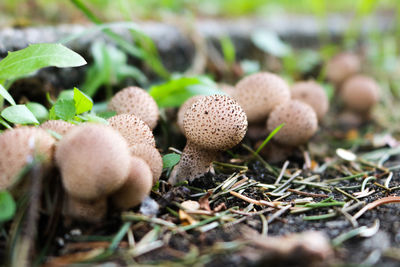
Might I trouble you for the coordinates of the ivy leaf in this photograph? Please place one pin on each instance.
(19, 114)
(7, 206)
(170, 160)
(83, 103)
(4, 93)
(36, 56)
(65, 109)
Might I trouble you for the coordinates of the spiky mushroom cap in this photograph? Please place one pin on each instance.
(342, 66)
(300, 123)
(136, 101)
(310, 92)
(259, 93)
(93, 160)
(152, 157)
(133, 129)
(59, 126)
(18, 147)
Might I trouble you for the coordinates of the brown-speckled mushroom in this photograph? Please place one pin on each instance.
(259, 93)
(94, 161)
(18, 147)
(313, 94)
(59, 126)
(300, 121)
(133, 129)
(136, 101)
(92, 211)
(152, 157)
(182, 110)
(342, 66)
(360, 93)
(212, 124)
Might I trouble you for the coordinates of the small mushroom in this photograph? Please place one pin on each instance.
(133, 129)
(92, 211)
(136, 101)
(212, 124)
(300, 123)
(313, 94)
(137, 186)
(59, 126)
(360, 93)
(93, 160)
(182, 110)
(342, 66)
(18, 147)
(152, 157)
(259, 93)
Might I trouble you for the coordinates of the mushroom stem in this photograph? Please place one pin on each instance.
(195, 161)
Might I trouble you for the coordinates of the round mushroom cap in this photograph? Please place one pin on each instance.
(59, 126)
(133, 129)
(342, 66)
(152, 157)
(227, 88)
(17, 149)
(259, 93)
(94, 161)
(182, 110)
(300, 123)
(136, 101)
(136, 188)
(360, 93)
(215, 122)
(92, 211)
(313, 94)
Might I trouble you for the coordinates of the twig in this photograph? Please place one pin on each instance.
(385, 200)
(306, 193)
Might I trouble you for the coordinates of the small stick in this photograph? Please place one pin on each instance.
(346, 194)
(306, 193)
(385, 200)
(284, 167)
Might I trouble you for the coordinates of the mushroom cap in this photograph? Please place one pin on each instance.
(59, 126)
(259, 93)
(133, 129)
(227, 88)
(92, 211)
(342, 66)
(215, 122)
(136, 101)
(93, 160)
(136, 188)
(152, 157)
(18, 147)
(313, 94)
(182, 110)
(300, 123)
(360, 93)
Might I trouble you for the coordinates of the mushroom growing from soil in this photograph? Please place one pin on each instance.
(259, 93)
(137, 186)
(18, 147)
(136, 101)
(313, 94)
(152, 157)
(133, 129)
(59, 126)
(360, 93)
(212, 124)
(342, 66)
(300, 123)
(91, 211)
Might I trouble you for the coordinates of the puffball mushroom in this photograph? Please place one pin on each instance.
(137, 186)
(92, 211)
(152, 157)
(259, 93)
(360, 93)
(300, 123)
(59, 126)
(136, 101)
(18, 147)
(182, 110)
(342, 66)
(133, 129)
(94, 161)
(212, 124)
(313, 94)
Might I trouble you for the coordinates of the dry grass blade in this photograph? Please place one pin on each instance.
(376, 203)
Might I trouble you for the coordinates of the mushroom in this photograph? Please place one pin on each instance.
(300, 123)
(137, 186)
(212, 124)
(342, 66)
(92, 211)
(259, 93)
(18, 147)
(133, 129)
(136, 101)
(152, 157)
(360, 93)
(59, 126)
(227, 88)
(182, 110)
(93, 160)
(313, 94)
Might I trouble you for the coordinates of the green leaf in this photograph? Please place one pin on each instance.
(65, 109)
(19, 114)
(93, 118)
(41, 113)
(228, 49)
(270, 42)
(4, 93)
(7, 206)
(170, 160)
(83, 103)
(37, 56)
